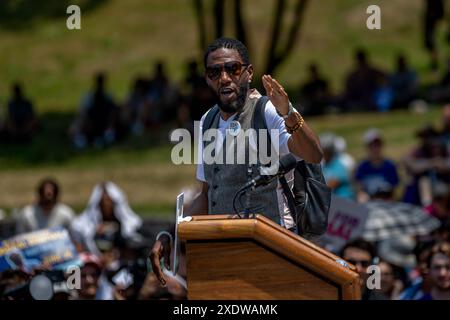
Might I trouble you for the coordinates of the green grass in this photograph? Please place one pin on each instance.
(125, 38)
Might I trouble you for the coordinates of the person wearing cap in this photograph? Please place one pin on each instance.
(336, 172)
(375, 174)
(90, 276)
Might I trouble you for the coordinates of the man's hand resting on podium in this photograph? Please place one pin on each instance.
(161, 249)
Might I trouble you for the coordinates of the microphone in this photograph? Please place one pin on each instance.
(285, 164)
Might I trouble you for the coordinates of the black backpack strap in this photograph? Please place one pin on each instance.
(208, 122)
(259, 122)
(259, 119)
(291, 202)
(209, 119)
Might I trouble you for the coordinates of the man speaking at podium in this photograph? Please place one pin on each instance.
(229, 73)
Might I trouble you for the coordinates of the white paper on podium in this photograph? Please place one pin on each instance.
(178, 218)
(174, 261)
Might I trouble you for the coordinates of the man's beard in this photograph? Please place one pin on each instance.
(238, 104)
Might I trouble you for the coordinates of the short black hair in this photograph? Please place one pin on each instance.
(361, 245)
(228, 43)
(51, 182)
(440, 247)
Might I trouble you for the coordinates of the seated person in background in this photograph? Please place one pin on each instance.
(198, 94)
(362, 254)
(384, 94)
(335, 171)
(21, 122)
(426, 164)
(162, 99)
(98, 117)
(376, 169)
(184, 116)
(47, 212)
(107, 212)
(439, 272)
(404, 83)
(361, 84)
(314, 92)
(132, 111)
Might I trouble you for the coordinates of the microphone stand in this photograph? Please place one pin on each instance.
(247, 204)
(238, 197)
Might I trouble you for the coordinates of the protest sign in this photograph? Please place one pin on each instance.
(346, 221)
(51, 248)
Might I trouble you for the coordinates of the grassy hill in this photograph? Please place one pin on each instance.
(125, 38)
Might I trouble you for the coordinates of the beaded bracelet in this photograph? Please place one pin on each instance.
(298, 125)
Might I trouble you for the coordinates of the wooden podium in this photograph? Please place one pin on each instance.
(252, 259)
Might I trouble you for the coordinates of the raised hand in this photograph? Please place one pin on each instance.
(276, 94)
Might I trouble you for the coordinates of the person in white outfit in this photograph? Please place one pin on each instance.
(107, 212)
(47, 212)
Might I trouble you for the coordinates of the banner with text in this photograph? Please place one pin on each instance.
(49, 248)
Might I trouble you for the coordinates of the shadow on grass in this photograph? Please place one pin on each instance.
(22, 14)
(52, 146)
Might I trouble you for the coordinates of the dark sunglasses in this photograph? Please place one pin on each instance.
(232, 68)
(364, 263)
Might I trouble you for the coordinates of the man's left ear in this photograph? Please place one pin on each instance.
(250, 73)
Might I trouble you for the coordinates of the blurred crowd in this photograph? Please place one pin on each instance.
(370, 88)
(112, 245)
(151, 103)
(155, 102)
(414, 264)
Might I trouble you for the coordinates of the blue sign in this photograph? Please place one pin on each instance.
(48, 248)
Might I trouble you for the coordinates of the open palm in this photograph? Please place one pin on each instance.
(276, 94)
